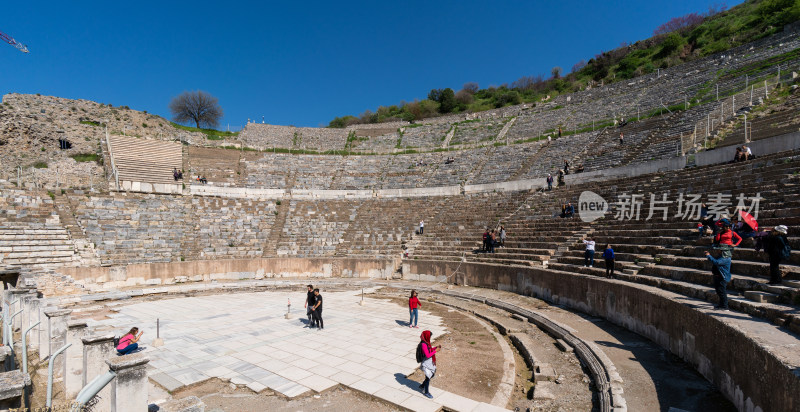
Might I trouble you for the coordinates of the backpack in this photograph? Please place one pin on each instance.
(787, 250)
(116, 341)
(420, 353)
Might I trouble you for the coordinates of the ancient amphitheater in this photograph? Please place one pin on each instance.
(89, 249)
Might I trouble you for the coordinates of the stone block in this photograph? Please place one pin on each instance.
(96, 350)
(129, 387)
(544, 391)
(544, 372)
(761, 297)
(73, 358)
(12, 388)
(563, 346)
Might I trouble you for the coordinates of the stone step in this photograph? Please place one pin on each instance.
(762, 297)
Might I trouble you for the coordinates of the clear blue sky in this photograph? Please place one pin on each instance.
(302, 63)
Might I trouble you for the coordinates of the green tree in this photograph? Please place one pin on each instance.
(447, 101)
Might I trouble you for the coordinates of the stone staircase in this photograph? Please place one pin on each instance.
(146, 161)
(276, 232)
(40, 245)
(83, 245)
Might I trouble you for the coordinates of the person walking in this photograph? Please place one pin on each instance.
(588, 255)
(502, 236)
(127, 343)
(413, 304)
(608, 256)
(317, 312)
(549, 181)
(421, 226)
(310, 301)
(426, 355)
(621, 138)
(777, 247)
(721, 267)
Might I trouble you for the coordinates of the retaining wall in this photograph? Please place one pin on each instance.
(771, 145)
(744, 370)
(789, 141)
(230, 269)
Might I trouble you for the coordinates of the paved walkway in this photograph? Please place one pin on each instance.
(246, 339)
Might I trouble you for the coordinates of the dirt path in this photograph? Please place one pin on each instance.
(471, 361)
(222, 396)
(572, 392)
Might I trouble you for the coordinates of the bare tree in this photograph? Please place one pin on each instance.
(470, 87)
(198, 107)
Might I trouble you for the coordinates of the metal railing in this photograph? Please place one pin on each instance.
(114, 171)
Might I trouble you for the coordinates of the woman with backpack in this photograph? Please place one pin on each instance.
(777, 247)
(127, 343)
(426, 356)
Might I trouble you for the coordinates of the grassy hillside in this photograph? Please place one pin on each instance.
(682, 39)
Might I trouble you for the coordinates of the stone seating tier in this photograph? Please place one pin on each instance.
(141, 160)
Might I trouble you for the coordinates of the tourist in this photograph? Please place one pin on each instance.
(421, 226)
(566, 167)
(570, 210)
(777, 247)
(747, 153)
(744, 230)
(549, 139)
(721, 267)
(588, 254)
(721, 271)
(502, 236)
(739, 156)
(175, 173)
(310, 301)
(426, 355)
(559, 131)
(608, 256)
(705, 227)
(490, 242)
(413, 304)
(549, 181)
(127, 343)
(579, 169)
(317, 311)
(486, 240)
(621, 138)
(560, 177)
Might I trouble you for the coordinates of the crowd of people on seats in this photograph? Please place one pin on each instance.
(493, 238)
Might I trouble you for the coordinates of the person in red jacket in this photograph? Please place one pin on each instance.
(726, 236)
(413, 304)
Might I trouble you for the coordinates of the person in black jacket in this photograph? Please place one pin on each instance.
(776, 244)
